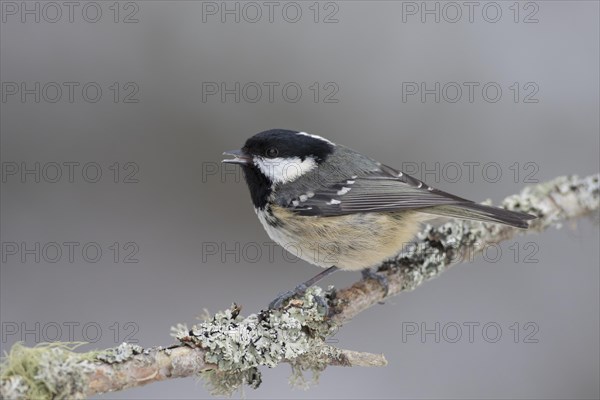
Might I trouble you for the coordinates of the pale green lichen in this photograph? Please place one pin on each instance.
(589, 196)
(314, 362)
(13, 388)
(179, 330)
(46, 371)
(64, 373)
(225, 383)
(237, 346)
(434, 250)
(533, 199)
(119, 354)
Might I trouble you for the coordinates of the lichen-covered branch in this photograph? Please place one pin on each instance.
(227, 350)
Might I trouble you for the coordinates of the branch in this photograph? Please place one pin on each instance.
(438, 248)
(227, 350)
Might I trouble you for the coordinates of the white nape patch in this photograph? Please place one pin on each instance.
(316, 137)
(350, 182)
(429, 188)
(343, 190)
(400, 174)
(420, 184)
(284, 170)
(334, 201)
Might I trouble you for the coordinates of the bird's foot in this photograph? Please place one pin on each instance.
(368, 273)
(300, 290)
(282, 298)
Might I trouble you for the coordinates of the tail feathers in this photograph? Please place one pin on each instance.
(479, 212)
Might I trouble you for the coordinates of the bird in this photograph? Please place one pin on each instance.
(339, 209)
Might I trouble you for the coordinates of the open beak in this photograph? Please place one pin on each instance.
(239, 157)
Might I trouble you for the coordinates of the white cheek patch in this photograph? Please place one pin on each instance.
(284, 170)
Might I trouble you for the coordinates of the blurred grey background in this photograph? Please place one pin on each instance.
(157, 130)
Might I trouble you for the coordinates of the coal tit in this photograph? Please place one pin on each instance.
(336, 208)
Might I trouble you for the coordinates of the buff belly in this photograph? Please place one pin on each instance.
(350, 242)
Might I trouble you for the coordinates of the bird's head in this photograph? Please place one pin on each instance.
(281, 156)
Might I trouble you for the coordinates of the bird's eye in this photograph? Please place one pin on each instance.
(271, 152)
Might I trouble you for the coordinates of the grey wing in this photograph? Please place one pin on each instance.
(383, 190)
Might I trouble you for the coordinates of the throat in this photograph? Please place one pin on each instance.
(259, 186)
